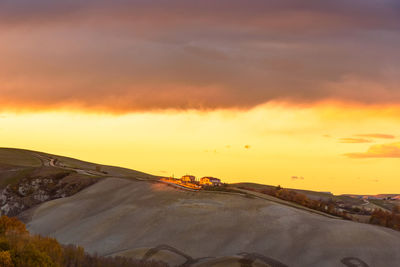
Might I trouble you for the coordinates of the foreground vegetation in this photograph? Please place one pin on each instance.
(20, 249)
(377, 217)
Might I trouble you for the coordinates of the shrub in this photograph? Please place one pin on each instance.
(5, 259)
(11, 225)
(19, 249)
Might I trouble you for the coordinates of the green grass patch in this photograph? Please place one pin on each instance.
(12, 178)
(18, 157)
(383, 204)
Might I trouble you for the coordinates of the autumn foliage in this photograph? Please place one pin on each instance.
(378, 217)
(301, 199)
(387, 219)
(20, 249)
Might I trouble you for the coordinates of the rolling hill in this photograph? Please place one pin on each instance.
(118, 212)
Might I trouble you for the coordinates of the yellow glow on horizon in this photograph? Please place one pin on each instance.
(268, 144)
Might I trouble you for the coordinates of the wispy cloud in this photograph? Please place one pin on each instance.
(378, 151)
(297, 178)
(354, 140)
(377, 135)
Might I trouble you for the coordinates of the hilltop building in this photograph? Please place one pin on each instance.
(188, 179)
(210, 181)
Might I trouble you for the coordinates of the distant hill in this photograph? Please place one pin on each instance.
(378, 196)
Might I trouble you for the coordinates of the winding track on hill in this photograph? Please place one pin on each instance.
(48, 161)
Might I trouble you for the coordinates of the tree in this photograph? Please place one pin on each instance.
(396, 209)
(11, 225)
(5, 259)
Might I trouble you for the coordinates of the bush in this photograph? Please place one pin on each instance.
(5, 259)
(387, 219)
(223, 188)
(4, 245)
(378, 217)
(19, 249)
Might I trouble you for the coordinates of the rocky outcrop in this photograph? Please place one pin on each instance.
(37, 188)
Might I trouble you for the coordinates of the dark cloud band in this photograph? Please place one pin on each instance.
(140, 55)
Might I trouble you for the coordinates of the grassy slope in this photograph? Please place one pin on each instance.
(16, 164)
(17, 157)
(387, 205)
(25, 158)
(12, 177)
(310, 194)
(286, 203)
(110, 170)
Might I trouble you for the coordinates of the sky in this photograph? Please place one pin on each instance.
(304, 94)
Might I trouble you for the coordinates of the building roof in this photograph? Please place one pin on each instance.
(212, 179)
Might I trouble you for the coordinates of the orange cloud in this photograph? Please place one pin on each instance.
(126, 56)
(297, 178)
(379, 151)
(384, 136)
(354, 140)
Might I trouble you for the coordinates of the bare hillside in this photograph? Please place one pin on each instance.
(151, 220)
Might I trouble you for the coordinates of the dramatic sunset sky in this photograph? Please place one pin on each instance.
(305, 94)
